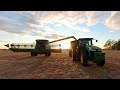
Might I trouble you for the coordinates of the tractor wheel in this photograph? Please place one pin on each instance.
(101, 63)
(78, 57)
(84, 58)
(47, 54)
(70, 53)
(33, 54)
(74, 54)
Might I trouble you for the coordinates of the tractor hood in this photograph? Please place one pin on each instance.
(93, 48)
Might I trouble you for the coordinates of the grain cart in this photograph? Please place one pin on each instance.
(83, 50)
(41, 47)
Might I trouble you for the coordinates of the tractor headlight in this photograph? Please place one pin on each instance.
(95, 49)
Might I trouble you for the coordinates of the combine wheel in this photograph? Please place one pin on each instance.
(33, 54)
(47, 54)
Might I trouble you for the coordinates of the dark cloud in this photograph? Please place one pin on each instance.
(12, 28)
(13, 22)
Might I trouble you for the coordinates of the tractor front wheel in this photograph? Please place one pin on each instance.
(101, 63)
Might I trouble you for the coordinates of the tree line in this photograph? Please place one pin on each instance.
(112, 44)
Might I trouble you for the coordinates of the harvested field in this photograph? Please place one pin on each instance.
(14, 65)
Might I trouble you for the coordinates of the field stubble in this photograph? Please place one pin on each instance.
(15, 65)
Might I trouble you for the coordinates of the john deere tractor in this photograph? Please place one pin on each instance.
(83, 50)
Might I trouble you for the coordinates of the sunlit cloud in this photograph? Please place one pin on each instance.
(53, 25)
(3, 41)
(84, 29)
(94, 17)
(53, 36)
(36, 23)
(113, 22)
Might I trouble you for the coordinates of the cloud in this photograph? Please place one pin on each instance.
(67, 18)
(58, 25)
(3, 41)
(113, 22)
(12, 28)
(94, 17)
(55, 36)
(24, 22)
(14, 24)
(35, 23)
(84, 29)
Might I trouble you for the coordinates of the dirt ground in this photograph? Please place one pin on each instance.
(14, 65)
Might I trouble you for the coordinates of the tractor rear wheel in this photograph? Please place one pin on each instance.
(74, 54)
(78, 57)
(84, 58)
(70, 53)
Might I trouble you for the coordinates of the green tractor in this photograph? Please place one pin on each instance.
(83, 50)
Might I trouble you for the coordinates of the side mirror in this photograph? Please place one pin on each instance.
(96, 40)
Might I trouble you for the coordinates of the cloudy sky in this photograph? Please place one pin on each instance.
(27, 26)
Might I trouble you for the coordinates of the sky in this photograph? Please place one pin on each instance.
(27, 26)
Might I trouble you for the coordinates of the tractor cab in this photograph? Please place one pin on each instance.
(85, 41)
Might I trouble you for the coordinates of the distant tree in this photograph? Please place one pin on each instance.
(118, 45)
(115, 45)
(108, 44)
(112, 44)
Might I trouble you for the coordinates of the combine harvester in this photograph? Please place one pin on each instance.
(81, 50)
(41, 47)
